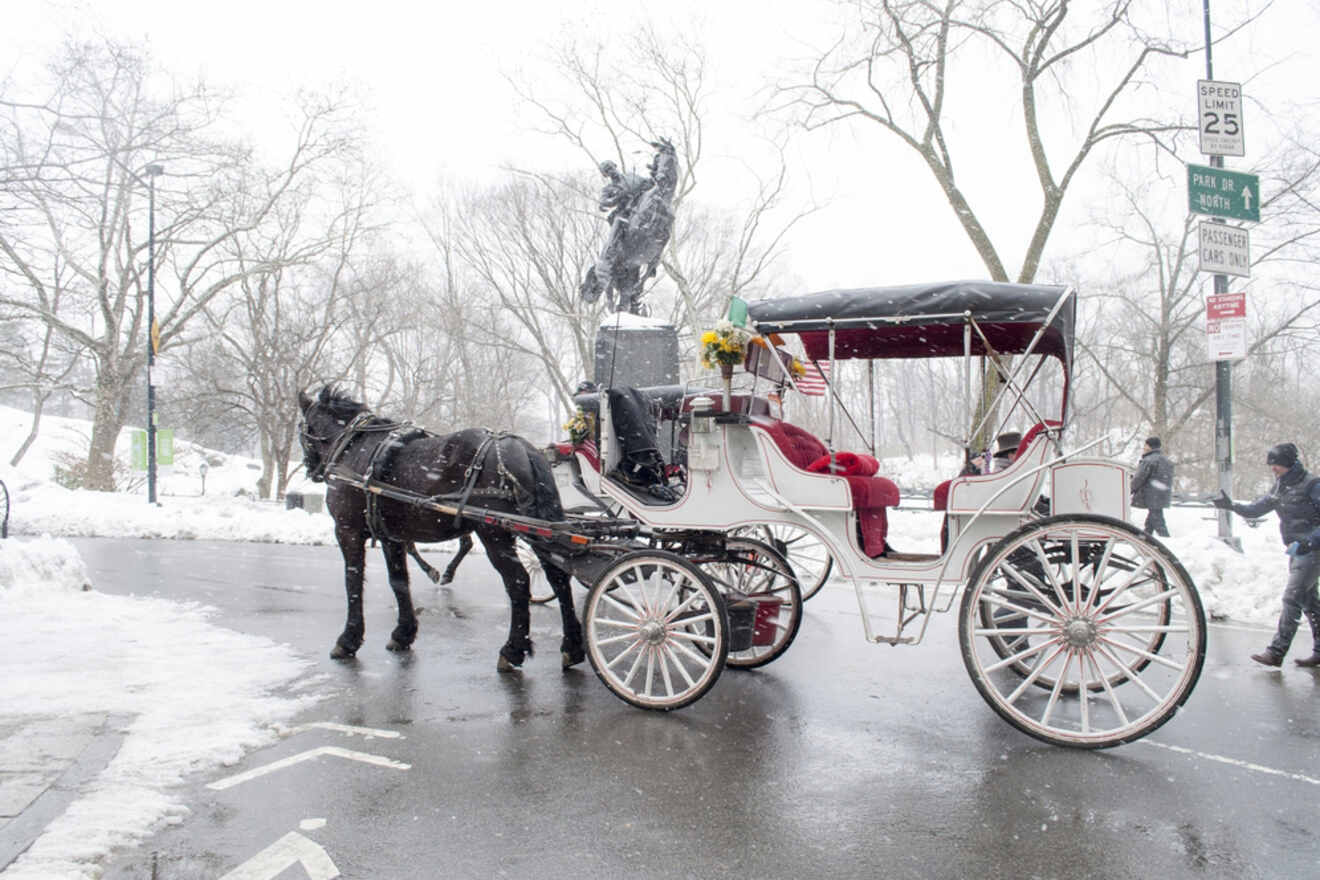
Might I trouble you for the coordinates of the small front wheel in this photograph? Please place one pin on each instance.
(657, 631)
(753, 569)
(1081, 631)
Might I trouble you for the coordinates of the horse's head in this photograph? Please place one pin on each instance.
(323, 420)
(664, 167)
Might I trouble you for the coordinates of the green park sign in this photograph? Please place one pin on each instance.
(164, 448)
(1223, 193)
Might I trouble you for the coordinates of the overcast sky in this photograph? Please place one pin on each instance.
(435, 76)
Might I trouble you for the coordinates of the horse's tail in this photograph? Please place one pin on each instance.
(545, 492)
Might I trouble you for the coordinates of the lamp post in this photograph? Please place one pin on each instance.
(153, 171)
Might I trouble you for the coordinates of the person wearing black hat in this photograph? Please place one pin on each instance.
(1295, 497)
(1006, 447)
(1152, 487)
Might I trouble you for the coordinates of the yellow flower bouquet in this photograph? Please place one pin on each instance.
(724, 346)
(580, 428)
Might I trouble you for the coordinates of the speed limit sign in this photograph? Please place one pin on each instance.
(1219, 105)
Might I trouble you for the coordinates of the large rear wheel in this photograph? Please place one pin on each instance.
(657, 631)
(1081, 631)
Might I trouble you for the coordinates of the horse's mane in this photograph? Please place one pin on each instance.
(337, 401)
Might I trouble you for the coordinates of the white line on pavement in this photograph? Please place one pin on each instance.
(334, 751)
(1245, 765)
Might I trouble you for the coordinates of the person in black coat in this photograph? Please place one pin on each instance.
(1152, 487)
(1295, 497)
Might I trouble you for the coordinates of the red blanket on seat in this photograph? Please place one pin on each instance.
(847, 464)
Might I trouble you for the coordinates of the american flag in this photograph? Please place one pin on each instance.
(812, 382)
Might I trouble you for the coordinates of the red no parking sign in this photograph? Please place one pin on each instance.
(1226, 326)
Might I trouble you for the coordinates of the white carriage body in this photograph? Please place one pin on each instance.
(1063, 601)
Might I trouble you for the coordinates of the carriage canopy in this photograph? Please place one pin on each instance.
(926, 320)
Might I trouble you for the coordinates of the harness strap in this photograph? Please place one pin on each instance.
(381, 459)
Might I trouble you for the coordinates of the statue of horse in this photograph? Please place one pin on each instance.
(495, 471)
(642, 222)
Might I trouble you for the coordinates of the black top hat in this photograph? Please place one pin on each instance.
(1007, 443)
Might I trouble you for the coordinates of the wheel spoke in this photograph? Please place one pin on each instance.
(1035, 674)
(1024, 580)
(1126, 585)
(627, 611)
(1021, 655)
(669, 651)
(1153, 658)
(624, 653)
(1128, 609)
(615, 639)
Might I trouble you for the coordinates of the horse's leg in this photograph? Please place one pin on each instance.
(571, 651)
(396, 562)
(352, 544)
(503, 555)
(464, 545)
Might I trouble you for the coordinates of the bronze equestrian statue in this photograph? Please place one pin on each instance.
(641, 219)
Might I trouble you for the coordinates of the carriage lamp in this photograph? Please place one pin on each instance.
(701, 413)
(703, 443)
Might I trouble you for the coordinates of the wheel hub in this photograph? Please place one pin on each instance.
(1080, 632)
(653, 631)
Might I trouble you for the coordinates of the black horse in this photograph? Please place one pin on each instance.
(473, 467)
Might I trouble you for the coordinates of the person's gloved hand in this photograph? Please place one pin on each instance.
(1300, 548)
(1222, 501)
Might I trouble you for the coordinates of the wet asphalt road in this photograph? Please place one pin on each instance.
(841, 759)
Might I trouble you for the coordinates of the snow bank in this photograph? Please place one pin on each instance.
(198, 696)
(44, 565)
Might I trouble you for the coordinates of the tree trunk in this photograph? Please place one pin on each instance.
(112, 391)
(38, 404)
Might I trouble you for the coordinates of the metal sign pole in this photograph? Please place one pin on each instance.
(1223, 368)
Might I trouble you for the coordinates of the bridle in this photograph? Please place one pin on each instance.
(338, 443)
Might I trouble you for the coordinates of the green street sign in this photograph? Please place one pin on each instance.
(1223, 193)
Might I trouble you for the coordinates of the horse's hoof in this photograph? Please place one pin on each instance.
(569, 660)
(392, 645)
(339, 652)
(503, 665)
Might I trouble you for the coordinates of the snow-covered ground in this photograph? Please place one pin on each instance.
(70, 650)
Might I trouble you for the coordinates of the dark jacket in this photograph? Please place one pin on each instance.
(1295, 497)
(1152, 487)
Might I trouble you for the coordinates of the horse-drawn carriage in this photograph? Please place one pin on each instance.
(1074, 626)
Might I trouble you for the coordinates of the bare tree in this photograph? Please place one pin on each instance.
(1153, 357)
(91, 138)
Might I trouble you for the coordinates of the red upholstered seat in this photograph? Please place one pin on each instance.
(799, 446)
(870, 494)
(940, 499)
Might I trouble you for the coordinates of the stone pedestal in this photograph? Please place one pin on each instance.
(635, 351)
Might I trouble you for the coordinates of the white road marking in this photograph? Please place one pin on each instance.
(347, 729)
(334, 751)
(1235, 762)
(291, 849)
(311, 824)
